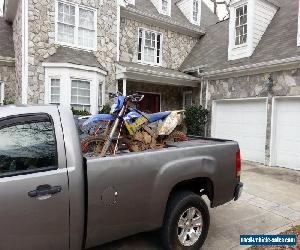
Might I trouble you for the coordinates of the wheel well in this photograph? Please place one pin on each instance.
(201, 186)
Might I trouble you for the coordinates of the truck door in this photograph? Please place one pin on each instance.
(34, 203)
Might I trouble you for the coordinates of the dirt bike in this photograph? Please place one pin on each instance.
(128, 126)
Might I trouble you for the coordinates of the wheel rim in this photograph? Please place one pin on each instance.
(189, 227)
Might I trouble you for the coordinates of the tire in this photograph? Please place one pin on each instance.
(179, 206)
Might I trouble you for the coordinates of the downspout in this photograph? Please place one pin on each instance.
(24, 96)
(118, 29)
(201, 87)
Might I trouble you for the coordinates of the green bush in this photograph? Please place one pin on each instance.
(80, 112)
(105, 109)
(195, 120)
(8, 102)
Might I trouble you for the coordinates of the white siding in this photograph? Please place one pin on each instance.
(264, 13)
(157, 4)
(186, 7)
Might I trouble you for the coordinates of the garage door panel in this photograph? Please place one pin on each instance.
(286, 142)
(245, 122)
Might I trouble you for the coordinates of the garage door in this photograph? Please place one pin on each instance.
(244, 121)
(286, 135)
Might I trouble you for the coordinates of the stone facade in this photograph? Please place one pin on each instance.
(285, 83)
(8, 76)
(17, 38)
(42, 44)
(175, 46)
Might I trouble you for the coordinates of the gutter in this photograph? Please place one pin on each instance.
(250, 69)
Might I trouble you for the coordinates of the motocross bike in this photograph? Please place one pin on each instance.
(128, 126)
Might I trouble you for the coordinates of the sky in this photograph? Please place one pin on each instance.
(222, 12)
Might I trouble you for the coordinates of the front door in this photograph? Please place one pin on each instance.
(34, 201)
(150, 103)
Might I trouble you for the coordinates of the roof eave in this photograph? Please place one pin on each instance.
(255, 68)
(138, 15)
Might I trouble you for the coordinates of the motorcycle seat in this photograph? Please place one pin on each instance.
(157, 116)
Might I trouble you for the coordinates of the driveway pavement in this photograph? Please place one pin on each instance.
(270, 204)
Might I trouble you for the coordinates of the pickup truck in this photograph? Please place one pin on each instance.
(52, 197)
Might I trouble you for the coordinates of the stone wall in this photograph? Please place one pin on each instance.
(42, 41)
(8, 76)
(17, 38)
(286, 83)
(175, 46)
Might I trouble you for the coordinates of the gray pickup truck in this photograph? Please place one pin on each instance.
(51, 197)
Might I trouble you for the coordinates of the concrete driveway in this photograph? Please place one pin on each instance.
(270, 204)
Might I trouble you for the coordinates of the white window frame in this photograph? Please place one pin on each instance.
(246, 24)
(90, 89)
(168, 11)
(143, 46)
(197, 22)
(2, 94)
(189, 92)
(76, 27)
(50, 90)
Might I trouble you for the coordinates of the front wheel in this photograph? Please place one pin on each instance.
(186, 222)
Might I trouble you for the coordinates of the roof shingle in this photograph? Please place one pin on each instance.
(6, 39)
(75, 56)
(278, 42)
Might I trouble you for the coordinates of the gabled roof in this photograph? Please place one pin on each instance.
(74, 56)
(278, 42)
(177, 18)
(6, 40)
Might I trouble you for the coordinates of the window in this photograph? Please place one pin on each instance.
(27, 144)
(80, 95)
(76, 25)
(195, 10)
(165, 6)
(187, 99)
(241, 25)
(55, 91)
(150, 46)
(1, 93)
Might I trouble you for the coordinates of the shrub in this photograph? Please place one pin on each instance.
(8, 102)
(80, 112)
(196, 119)
(105, 109)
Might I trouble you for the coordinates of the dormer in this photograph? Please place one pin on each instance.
(191, 9)
(163, 6)
(248, 22)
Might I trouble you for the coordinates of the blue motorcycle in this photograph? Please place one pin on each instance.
(129, 127)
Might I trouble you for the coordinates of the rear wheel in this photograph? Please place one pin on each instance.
(93, 145)
(186, 222)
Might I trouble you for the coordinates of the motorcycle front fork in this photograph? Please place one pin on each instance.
(112, 132)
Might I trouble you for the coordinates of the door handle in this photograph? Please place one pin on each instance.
(43, 190)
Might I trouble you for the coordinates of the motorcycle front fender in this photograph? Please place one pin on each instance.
(99, 117)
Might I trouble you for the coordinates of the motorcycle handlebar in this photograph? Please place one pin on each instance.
(132, 98)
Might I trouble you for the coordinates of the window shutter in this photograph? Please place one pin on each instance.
(140, 44)
(158, 46)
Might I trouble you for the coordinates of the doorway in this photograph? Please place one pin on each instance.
(150, 103)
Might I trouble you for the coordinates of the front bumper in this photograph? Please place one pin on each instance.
(238, 191)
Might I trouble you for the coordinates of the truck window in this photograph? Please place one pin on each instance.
(27, 145)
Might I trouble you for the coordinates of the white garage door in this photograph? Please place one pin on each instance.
(286, 135)
(244, 121)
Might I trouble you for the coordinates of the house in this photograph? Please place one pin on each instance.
(250, 69)
(74, 53)
(245, 70)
